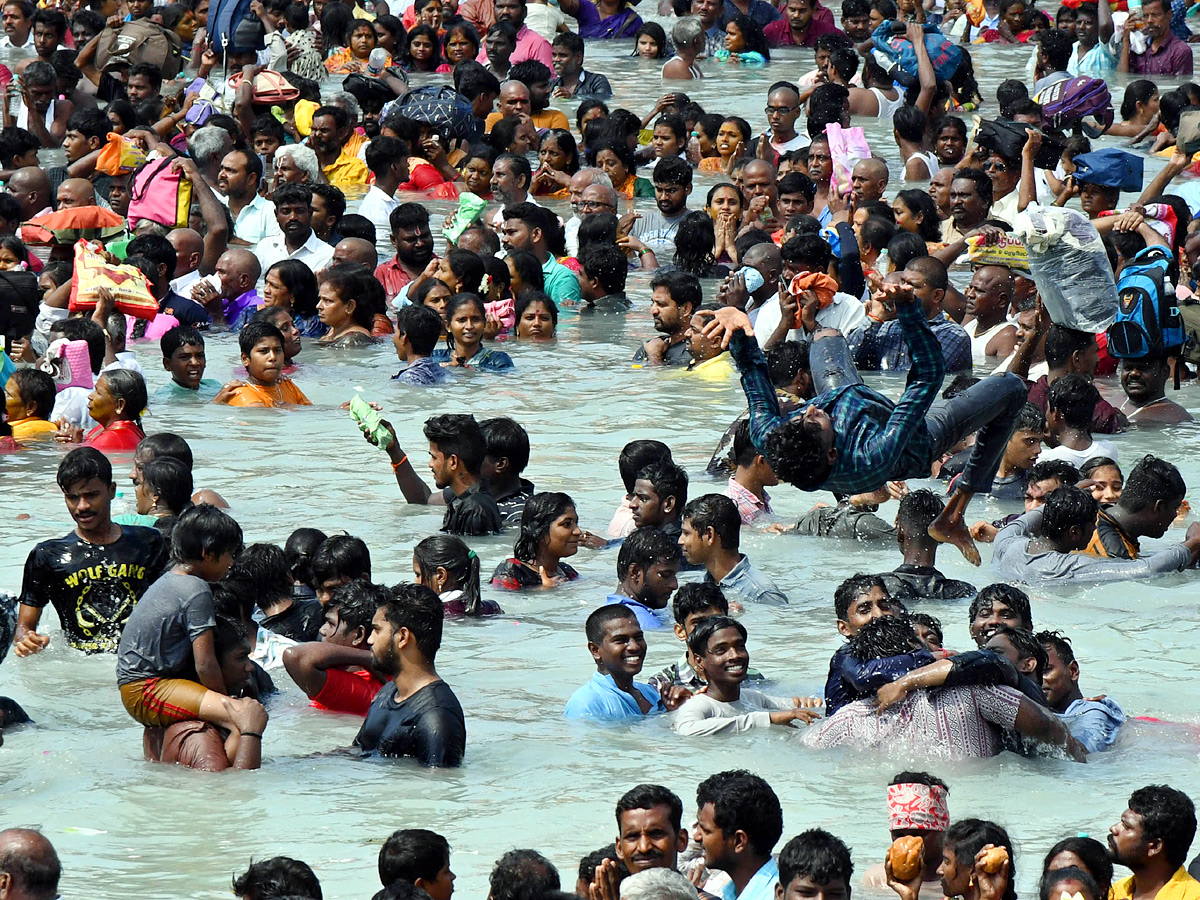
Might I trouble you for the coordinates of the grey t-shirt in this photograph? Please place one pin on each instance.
(157, 640)
(657, 232)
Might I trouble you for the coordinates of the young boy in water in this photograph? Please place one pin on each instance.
(169, 638)
(183, 356)
(693, 602)
(417, 331)
(29, 400)
(261, 344)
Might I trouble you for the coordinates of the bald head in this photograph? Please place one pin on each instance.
(598, 193)
(989, 293)
(514, 99)
(31, 188)
(76, 192)
(189, 247)
(868, 180)
(356, 250)
(30, 863)
(239, 270)
(765, 257)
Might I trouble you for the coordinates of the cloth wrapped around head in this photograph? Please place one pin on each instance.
(917, 807)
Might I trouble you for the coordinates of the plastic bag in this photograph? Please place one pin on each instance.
(119, 156)
(1069, 266)
(470, 208)
(847, 147)
(128, 285)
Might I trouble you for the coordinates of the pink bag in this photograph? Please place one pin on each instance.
(847, 147)
(504, 310)
(160, 195)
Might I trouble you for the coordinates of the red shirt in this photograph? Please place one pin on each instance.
(422, 177)
(121, 436)
(348, 692)
(393, 277)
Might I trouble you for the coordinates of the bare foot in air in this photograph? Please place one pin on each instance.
(951, 529)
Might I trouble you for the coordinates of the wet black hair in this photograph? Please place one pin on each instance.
(883, 637)
(540, 512)
(458, 435)
(745, 802)
(853, 588)
(280, 876)
(718, 512)
(1012, 597)
(818, 855)
(171, 480)
(299, 550)
(645, 547)
(417, 608)
(450, 552)
(1067, 507)
(636, 455)
(341, 556)
(204, 529)
(966, 837)
(1151, 479)
(696, 596)
(648, 796)
(1074, 398)
(83, 464)
(412, 853)
(1092, 853)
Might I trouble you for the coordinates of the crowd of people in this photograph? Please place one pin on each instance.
(812, 258)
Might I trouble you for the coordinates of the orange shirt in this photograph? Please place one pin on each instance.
(261, 395)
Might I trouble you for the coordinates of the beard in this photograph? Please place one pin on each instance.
(389, 661)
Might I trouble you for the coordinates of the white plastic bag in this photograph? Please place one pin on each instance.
(1070, 267)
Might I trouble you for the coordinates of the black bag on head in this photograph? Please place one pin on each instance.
(1008, 139)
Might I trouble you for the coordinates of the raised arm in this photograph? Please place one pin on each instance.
(415, 490)
(307, 663)
(732, 327)
(925, 72)
(216, 223)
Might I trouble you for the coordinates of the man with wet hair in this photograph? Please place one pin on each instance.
(1045, 544)
(420, 857)
(710, 537)
(1150, 502)
(1094, 723)
(521, 874)
(918, 578)
(647, 575)
(995, 605)
(739, 822)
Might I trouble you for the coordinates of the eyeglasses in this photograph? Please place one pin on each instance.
(993, 166)
(595, 204)
(782, 110)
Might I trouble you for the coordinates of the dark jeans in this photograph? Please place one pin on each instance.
(989, 407)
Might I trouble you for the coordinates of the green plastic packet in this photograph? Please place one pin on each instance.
(367, 418)
(470, 208)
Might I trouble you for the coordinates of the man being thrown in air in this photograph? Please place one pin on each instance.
(851, 439)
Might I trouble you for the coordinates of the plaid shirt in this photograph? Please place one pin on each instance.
(883, 347)
(749, 507)
(877, 441)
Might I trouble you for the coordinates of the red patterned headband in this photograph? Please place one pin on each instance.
(920, 807)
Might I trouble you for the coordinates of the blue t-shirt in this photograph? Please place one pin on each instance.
(600, 698)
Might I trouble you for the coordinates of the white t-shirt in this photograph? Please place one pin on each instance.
(845, 313)
(1078, 457)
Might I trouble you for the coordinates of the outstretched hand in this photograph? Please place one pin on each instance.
(726, 322)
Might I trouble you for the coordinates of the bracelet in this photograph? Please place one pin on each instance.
(252, 734)
(396, 465)
(643, 252)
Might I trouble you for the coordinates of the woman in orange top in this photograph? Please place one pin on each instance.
(117, 403)
(353, 58)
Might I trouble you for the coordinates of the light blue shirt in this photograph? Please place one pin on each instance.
(1094, 723)
(748, 584)
(761, 885)
(649, 619)
(600, 698)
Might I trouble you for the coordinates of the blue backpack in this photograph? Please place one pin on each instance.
(1148, 319)
(901, 59)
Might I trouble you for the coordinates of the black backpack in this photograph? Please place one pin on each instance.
(19, 299)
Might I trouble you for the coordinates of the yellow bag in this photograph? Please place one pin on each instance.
(1004, 251)
(128, 284)
(119, 156)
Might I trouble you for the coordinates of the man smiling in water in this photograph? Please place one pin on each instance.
(618, 647)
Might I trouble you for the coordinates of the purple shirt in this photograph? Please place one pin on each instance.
(1174, 57)
(530, 45)
(233, 308)
(592, 26)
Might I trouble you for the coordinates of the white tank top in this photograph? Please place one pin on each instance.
(979, 342)
(887, 107)
(23, 116)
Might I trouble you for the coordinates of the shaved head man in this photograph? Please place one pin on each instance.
(190, 247)
(75, 192)
(868, 180)
(31, 188)
(238, 271)
(988, 297)
(29, 867)
(514, 100)
(597, 198)
(356, 250)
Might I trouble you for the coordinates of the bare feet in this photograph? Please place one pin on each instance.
(949, 528)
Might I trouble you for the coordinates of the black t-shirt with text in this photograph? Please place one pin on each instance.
(429, 726)
(94, 587)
